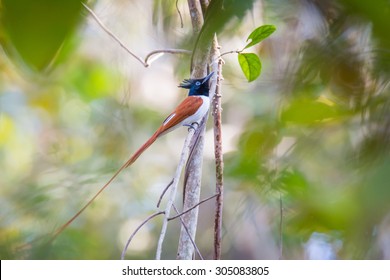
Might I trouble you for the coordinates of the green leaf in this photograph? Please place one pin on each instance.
(250, 65)
(259, 34)
(36, 30)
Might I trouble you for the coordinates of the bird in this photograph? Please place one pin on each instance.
(190, 111)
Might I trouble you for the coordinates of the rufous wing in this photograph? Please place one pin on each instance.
(186, 108)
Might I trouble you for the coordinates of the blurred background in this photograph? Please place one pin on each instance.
(306, 146)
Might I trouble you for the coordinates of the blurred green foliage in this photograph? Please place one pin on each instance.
(310, 155)
(36, 30)
(332, 176)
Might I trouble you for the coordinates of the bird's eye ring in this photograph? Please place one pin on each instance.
(197, 83)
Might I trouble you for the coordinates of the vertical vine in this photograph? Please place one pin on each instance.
(217, 116)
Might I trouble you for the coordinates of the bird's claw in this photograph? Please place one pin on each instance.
(194, 126)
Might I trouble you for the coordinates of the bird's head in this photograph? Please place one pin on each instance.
(197, 86)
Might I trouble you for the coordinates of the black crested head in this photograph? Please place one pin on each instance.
(197, 86)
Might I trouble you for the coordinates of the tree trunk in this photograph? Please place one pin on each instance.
(193, 173)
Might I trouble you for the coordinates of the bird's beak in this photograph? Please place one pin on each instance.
(205, 79)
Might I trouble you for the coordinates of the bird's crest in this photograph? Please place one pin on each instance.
(186, 83)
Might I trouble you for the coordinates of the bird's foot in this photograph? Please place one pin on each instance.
(194, 126)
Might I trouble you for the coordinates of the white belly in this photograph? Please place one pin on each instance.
(197, 117)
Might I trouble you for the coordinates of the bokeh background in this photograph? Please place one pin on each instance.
(306, 146)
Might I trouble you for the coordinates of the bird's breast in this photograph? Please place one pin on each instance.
(200, 112)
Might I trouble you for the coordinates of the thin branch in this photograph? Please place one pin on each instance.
(136, 230)
(160, 53)
(217, 113)
(230, 52)
(145, 62)
(163, 193)
(178, 11)
(183, 158)
(112, 35)
(189, 209)
(185, 227)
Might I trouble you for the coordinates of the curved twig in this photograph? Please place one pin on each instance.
(186, 229)
(96, 18)
(136, 230)
(230, 52)
(145, 62)
(159, 53)
(178, 11)
(189, 209)
(163, 193)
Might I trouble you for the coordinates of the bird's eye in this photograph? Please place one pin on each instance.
(197, 83)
